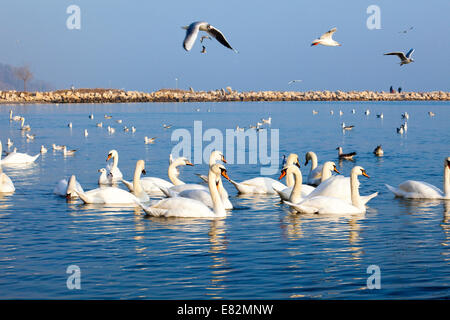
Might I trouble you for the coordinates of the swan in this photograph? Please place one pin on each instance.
(315, 174)
(306, 190)
(337, 186)
(6, 185)
(259, 185)
(178, 184)
(17, 157)
(204, 195)
(66, 188)
(411, 189)
(114, 169)
(24, 127)
(330, 205)
(190, 208)
(103, 178)
(296, 193)
(114, 195)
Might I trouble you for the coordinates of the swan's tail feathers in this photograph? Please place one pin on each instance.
(36, 156)
(300, 208)
(168, 193)
(393, 190)
(129, 185)
(150, 211)
(369, 197)
(202, 176)
(237, 185)
(277, 188)
(280, 193)
(82, 196)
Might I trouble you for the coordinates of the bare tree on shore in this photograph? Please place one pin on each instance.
(24, 74)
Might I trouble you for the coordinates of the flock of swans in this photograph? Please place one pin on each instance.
(323, 192)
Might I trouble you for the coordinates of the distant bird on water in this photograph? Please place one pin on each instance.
(431, 113)
(404, 59)
(345, 156)
(378, 151)
(326, 39)
(192, 33)
(344, 127)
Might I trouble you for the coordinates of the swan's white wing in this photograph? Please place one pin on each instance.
(6, 185)
(336, 187)
(419, 190)
(179, 207)
(191, 34)
(401, 55)
(328, 35)
(219, 37)
(200, 195)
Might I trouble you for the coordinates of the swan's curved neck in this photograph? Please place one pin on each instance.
(218, 207)
(173, 174)
(354, 189)
(326, 173)
(296, 193)
(115, 161)
(446, 181)
(313, 158)
(137, 187)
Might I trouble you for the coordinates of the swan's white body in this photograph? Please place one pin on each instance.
(337, 187)
(16, 158)
(259, 185)
(190, 208)
(299, 191)
(114, 172)
(113, 195)
(411, 189)
(315, 174)
(103, 178)
(6, 184)
(64, 188)
(330, 205)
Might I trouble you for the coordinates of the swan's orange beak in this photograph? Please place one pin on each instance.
(189, 163)
(109, 157)
(225, 174)
(365, 174)
(224, 160)
(283, 173)
(336, 170)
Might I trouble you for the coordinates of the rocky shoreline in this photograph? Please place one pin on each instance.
(222, 95)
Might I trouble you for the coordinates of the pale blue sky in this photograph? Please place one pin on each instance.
(137, 45)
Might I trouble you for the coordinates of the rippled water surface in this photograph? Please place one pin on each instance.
(260, 250)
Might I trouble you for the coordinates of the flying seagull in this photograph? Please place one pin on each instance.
(405, 59)
(192, 32)
(327, 39)
(405, 31)
(292, 81)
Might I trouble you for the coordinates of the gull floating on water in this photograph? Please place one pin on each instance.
(378, 151)
(326, 39)
(405, 59)
(430, 113)
(43, 149)
(192, 33)
(149, 140)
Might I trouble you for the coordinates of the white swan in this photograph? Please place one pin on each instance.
(315, 174)
(103, 178)
(66, 188)
(16, 157)
(6, 185)
(189, 208)
(116, 174)
(337, 186)
(259, 185)
(411, 189)
(330, 205)
(306, 190)
(113, 195)
(296, 193)
(204, 195)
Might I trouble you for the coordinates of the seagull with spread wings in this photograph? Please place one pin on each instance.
(292, 81)
(327, 39)
(405, 59)
(192, 33)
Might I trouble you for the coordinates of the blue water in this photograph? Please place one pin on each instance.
(260, 250)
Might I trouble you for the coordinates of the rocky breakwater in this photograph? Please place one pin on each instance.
(176, 95)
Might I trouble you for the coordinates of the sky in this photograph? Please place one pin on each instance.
(137, 45)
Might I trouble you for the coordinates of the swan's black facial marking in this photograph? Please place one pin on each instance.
(144, 172)
(297, 163)
(448, 163)
(224, 173)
